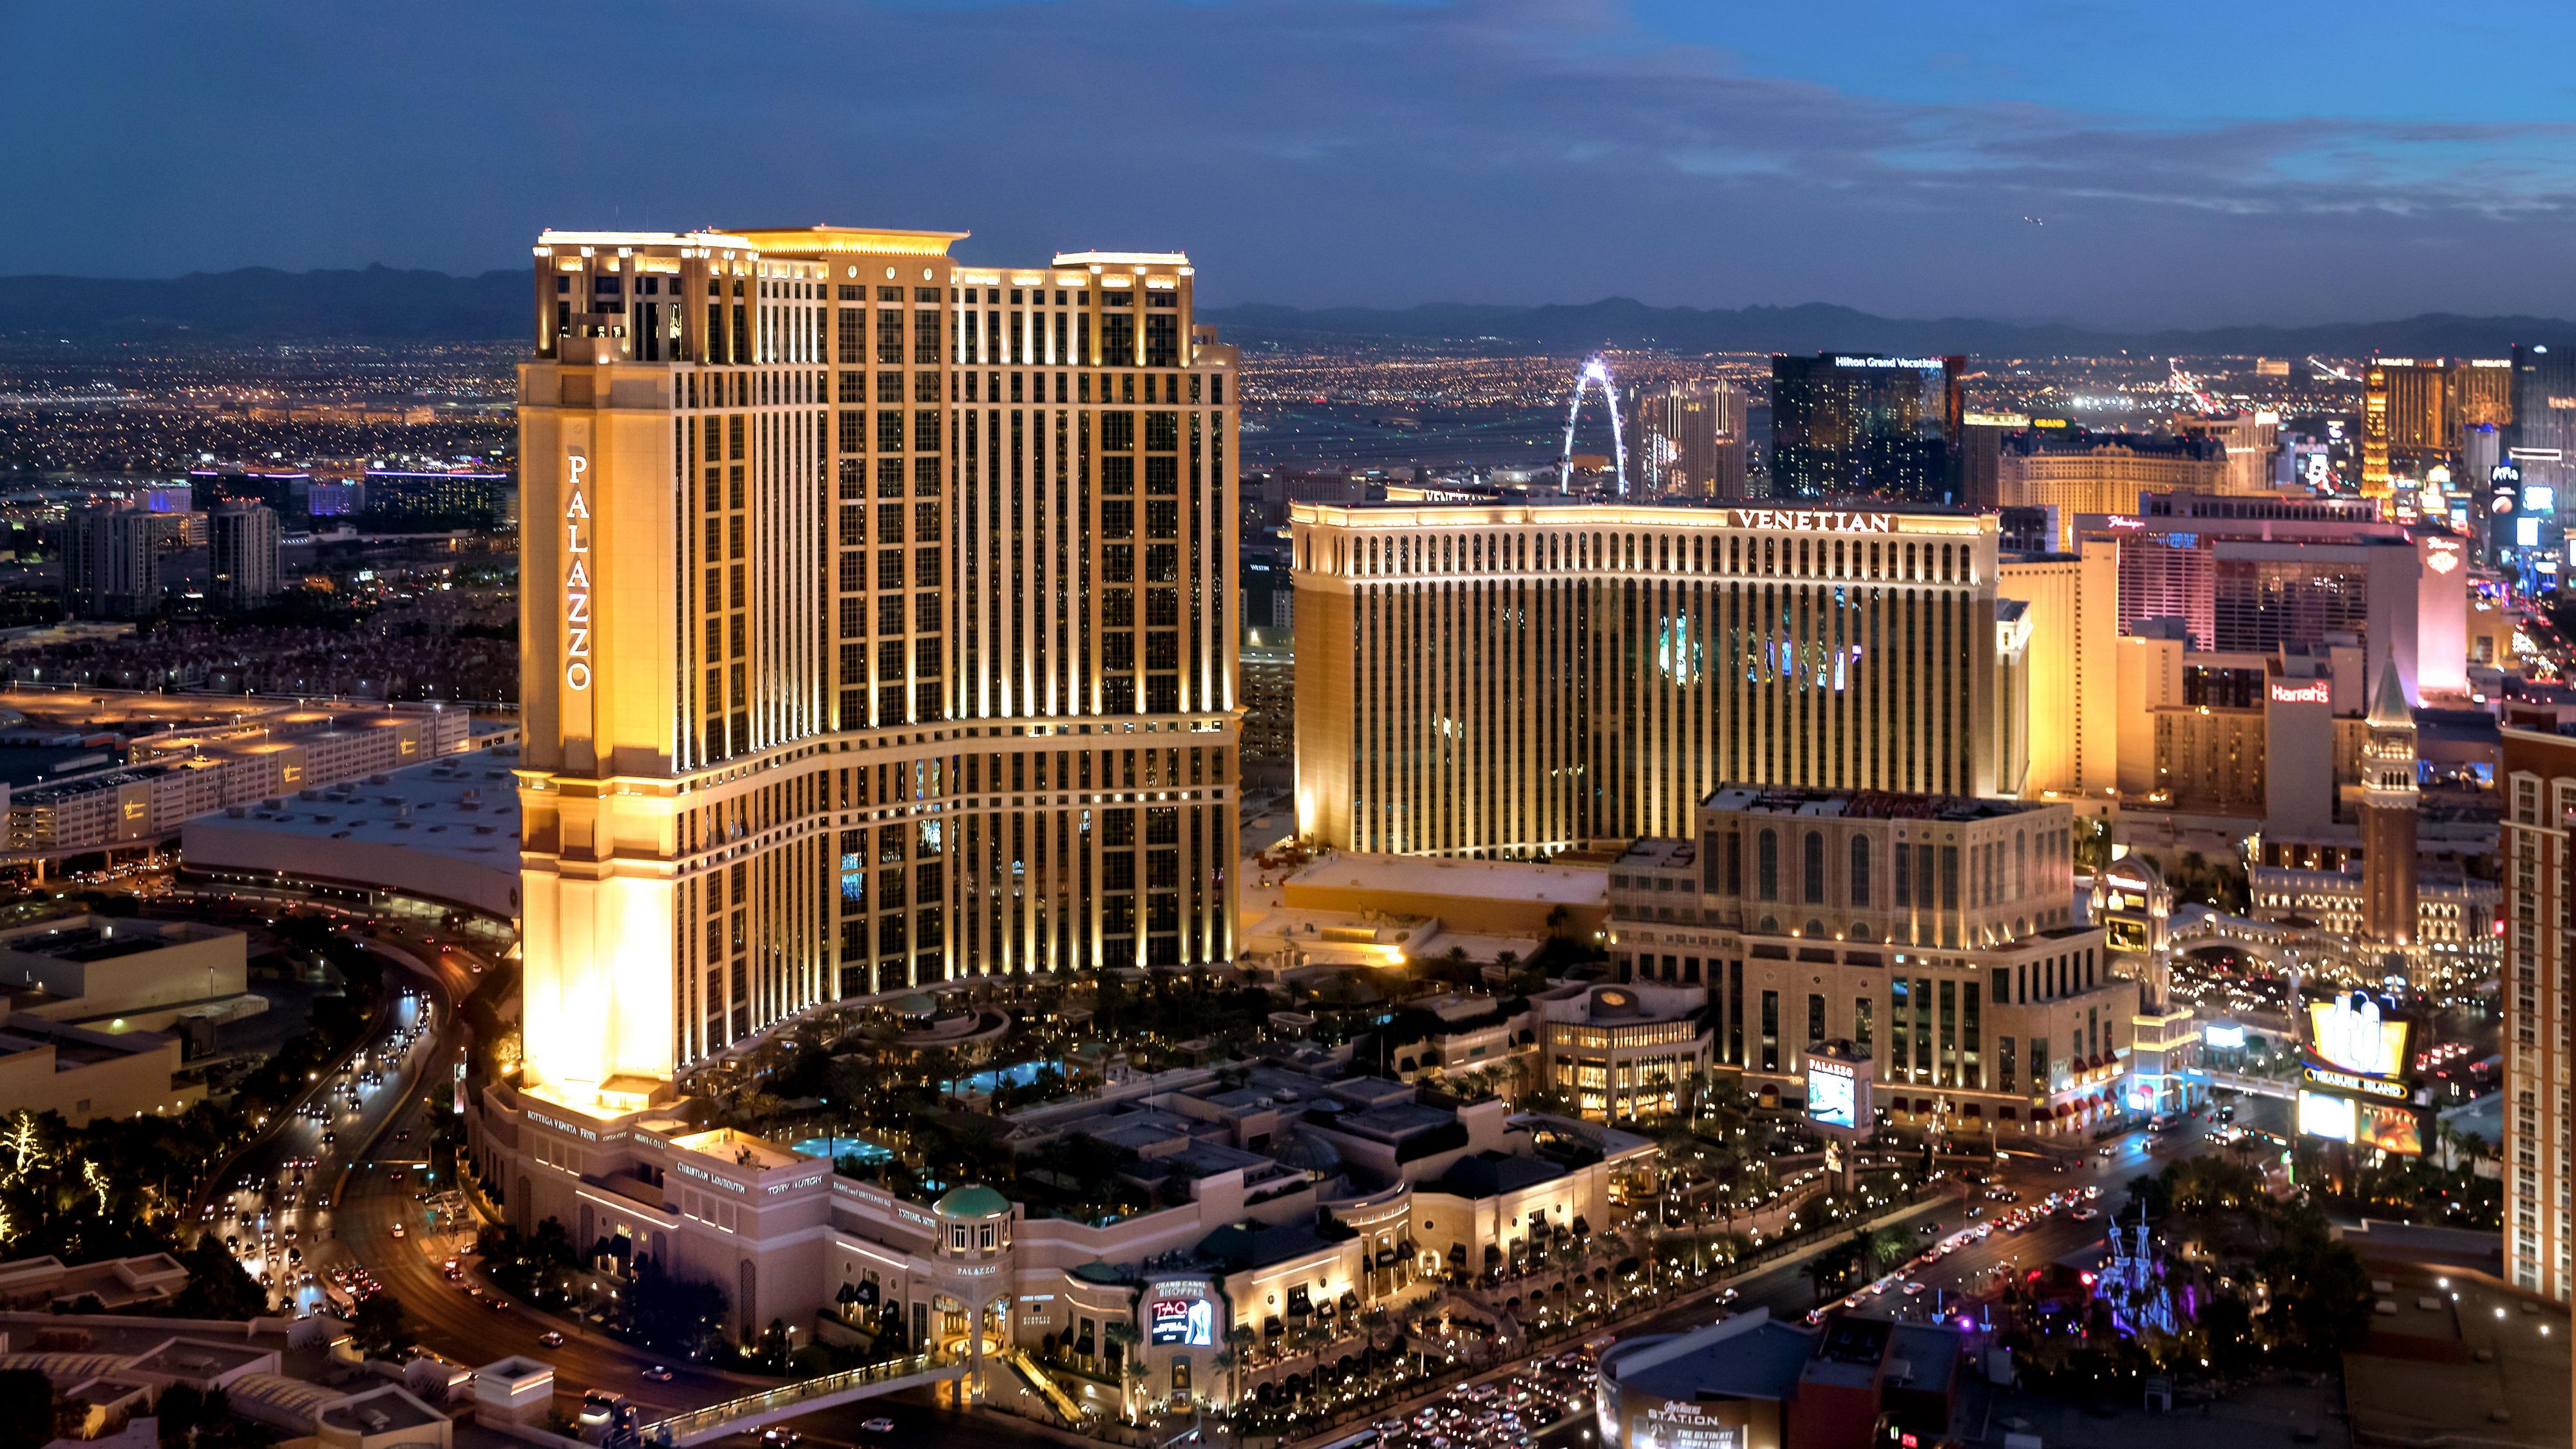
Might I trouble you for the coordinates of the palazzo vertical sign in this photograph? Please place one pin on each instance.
(576, 573)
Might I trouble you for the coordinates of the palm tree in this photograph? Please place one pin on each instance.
(1880, 1247)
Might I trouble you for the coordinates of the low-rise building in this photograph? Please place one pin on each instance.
(49, 1066)
(1941, 936)
(1752, 1383)
(122, 973)
(1497, 897)
(211, 756)
(1627, 1050)
(1156, 1226)
(445, 831)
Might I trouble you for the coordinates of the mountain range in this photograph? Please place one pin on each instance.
(386, 305)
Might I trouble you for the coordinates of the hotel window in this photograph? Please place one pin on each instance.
(1766, 864)
(1812, 868)
(1861, 1006)
(1860, 872)
(1770, 1031)
(2003, 1064)
(1904, 877)
(1815, 1017)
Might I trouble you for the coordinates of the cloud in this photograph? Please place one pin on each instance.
(1304, 150)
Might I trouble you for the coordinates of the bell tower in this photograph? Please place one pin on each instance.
(2388, 800)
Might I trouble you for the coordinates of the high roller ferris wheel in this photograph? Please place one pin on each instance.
(1593, 371)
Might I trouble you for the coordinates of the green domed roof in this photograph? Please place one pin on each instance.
(974, 1200)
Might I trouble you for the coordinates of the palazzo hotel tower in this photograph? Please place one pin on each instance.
(876, 632)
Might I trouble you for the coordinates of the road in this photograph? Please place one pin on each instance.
(1789, 1294)
(275, 1208)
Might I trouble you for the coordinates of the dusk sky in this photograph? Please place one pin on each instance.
(2289, 162)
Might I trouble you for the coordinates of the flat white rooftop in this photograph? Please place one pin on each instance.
(1498, 880)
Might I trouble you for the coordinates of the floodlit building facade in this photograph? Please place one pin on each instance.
(1517, 680)
(2539, 788)
(1938, 934)
(879, 632)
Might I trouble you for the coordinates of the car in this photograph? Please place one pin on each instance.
(780, 1438)
(499, 1303)
(2085, 1215)
(877, 1426)
(656, 1374)
(2092, 1192)
(551, 1338)
(2106, 1150)
(398, 1230)
(1913, 1288)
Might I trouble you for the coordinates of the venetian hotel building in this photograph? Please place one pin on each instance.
(877, 632)
(1518, 680)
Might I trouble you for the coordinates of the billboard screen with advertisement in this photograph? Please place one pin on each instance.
(2324, 1115)
(1188, 1322)
(2351, 1033)
(1830, 1094)
(2390, 1128)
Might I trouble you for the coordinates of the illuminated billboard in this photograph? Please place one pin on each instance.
(1188, 1322)
(2390, 1127)
(2351, 1033)
(2325, 1116)
(1831, 1095)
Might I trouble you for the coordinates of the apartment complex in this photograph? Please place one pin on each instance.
(111, 569)
(2539, 787)
(242, 558)
(1516, 680)
(1690, 440)
(890, 635)
(1935, 932)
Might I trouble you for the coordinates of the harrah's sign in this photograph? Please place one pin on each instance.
(1811, 520)
(2315, 693)
(576, 573)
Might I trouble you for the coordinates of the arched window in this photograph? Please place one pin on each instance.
(1814, 867)
(1860, 872)
(2021, 862)
(1766, 865)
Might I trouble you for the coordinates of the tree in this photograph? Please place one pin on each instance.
(679, 1316)
(218, 1285)
(382, 1328)
(1881, 1247)
(29, 1411)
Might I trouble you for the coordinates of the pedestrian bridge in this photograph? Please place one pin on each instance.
(754, 1412)
(2240, 1082)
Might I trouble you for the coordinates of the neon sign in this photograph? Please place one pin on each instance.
(576, 577)
(2316, 693)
